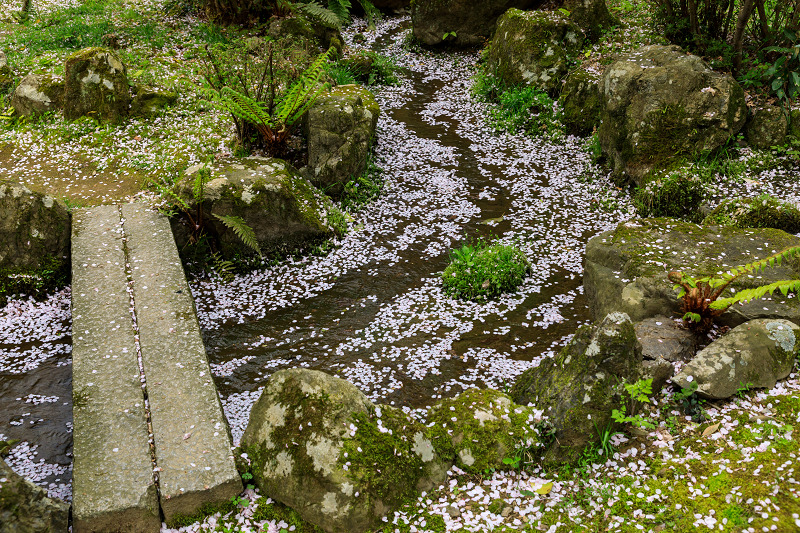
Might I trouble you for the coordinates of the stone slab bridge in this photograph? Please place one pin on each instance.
(150, 438)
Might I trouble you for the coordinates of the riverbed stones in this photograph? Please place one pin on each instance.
(459, 22)
(532, 48)
(25, 507)
(660, 104)
(318, 445)
(766, 127)
(113, 486)
(578, 388)
(341, 131)
(580, 101)
(481, 428)
(96, 85)
(37, 94)
(759, 212)
(192, 441)
(282, 208)
(626, 268)
(34, 236)
(755, 354)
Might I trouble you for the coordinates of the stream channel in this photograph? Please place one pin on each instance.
(372, 310)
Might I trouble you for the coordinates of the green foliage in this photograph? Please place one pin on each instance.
(340, 74)
(363, 189)
(673, 193)
(483, 271)
(783, 75)
(371, 68)
(242, 230)
(53, 273)
(762, 212)
(701, 297)
(332, 16)
(275, 117)
(637, 394)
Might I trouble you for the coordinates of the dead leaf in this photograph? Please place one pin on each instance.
(711, 429)
(544, 489)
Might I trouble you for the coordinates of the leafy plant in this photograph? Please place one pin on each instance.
(275, 118)
(371, 68)
(701, 297)
(638, 394)
(481, 271)
(690, 403)
(783, 76)
(449, 35)
(241, 230)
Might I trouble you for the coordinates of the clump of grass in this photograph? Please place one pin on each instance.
(762, 212)
(361, 190)
(371, 68)
(675, 193)
(481, 271)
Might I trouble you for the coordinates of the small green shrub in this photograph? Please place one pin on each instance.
(482, 271)
(673, 193)
(371, 68)
(762, 212)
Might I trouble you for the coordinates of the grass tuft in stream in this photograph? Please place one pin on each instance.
(482, 271)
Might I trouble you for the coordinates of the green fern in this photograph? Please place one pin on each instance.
(701, 296)
(302, 94)
(223, 268)
(241, 230)
(326, 16)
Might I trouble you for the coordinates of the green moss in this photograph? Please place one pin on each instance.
(53, 274)
(205, 510)
(762, 212)
(278, 512)
(674, 193)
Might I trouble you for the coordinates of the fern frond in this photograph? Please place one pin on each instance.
(302, 93)
(171, 197)
(757, 266)
(341, 8)
(321, 14)
(745, 295)
(242, 230)
(373, 13)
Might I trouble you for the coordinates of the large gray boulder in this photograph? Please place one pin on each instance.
(592, 16)
(472, 22)
(481, 428)
(532, 48)
(34, 236)
(283, 209)
(755, 354)
(626, 268)
(580, 101)
(318, 445)
(96, 84)
(37, 94)
(341, 130)
(766, 127)
(580, 387)
(660, 104)
(25, 508)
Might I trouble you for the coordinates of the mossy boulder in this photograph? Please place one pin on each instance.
(341, 130)
(580, 101)
(34, 240)
(318, 445)
(37, 94)
(533, 48)
(676, 192)
(25, 508)
(794, 124)
(761, 212)
(592, 16)
(481, 428)
(659, 104)
(283, 209)
(578, 388)
(299, 27)
(96, 85)
(6, 74)
(766, 127)
(626, 268)
(464, 22)
(755, 354)
(151, 101)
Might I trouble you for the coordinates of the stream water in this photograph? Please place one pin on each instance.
(372, 310)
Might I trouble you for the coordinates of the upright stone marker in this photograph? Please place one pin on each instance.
(113, 486)
(193, 445)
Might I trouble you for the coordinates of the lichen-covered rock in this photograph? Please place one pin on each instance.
(626, 268)
(580, 101)
(151, 101)
(580, 387)
(759, 212)
(318, 445)
(25, 508)
(284, 210)
(37, 94)
(660, 104)
(96, 84)
(466, 23)
(663, 338)
(6, 74)
(766, 127)
(592, 16)
(532, 48)
(34, 238)
(341, 129)
(755, 354)
(480, 428)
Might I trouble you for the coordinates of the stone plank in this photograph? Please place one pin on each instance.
(193, 444)
(113, 486)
